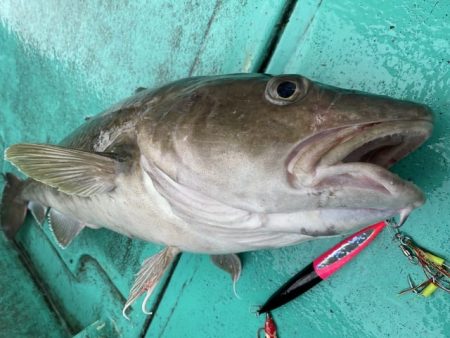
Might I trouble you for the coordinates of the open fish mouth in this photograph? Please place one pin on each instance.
(358, 156)
(382, 144)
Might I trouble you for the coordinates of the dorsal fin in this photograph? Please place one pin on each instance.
(71, 171)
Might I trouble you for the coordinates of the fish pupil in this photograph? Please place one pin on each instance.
(286, 89)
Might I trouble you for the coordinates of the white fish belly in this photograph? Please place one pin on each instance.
(137, 209)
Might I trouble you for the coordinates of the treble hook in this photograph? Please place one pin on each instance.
(425, 289)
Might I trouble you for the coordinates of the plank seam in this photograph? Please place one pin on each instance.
(41, 286)
(276, 35)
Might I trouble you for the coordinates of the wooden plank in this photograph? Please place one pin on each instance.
(23, 311)
(63, 61)
(396, 48)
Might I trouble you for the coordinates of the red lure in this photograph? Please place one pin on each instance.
(270, 329)
(323, 266)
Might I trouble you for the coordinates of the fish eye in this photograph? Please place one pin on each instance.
(284, 90)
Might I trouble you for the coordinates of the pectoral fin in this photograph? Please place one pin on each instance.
(71, 171)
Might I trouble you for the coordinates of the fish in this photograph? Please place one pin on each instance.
(222, 165)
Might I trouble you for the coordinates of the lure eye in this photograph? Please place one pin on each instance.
(284, 90)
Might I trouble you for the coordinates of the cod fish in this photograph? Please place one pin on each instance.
(222, 165)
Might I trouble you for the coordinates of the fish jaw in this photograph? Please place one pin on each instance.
(349, 165)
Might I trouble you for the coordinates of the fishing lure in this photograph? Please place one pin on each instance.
(436, 270)
(323, 267)
(269, 329)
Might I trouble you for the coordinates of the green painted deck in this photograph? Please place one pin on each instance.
(63, 61)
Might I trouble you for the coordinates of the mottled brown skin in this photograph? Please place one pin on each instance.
(226, 120)
(228, 140)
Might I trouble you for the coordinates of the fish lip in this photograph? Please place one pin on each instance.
(323, 151)
(368, 143)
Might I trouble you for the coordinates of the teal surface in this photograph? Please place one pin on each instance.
(60, 62)
(21, 300)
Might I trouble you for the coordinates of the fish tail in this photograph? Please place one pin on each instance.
(13, 208)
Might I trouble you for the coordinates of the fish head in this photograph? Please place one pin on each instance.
(285, 144)
(352, 141)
